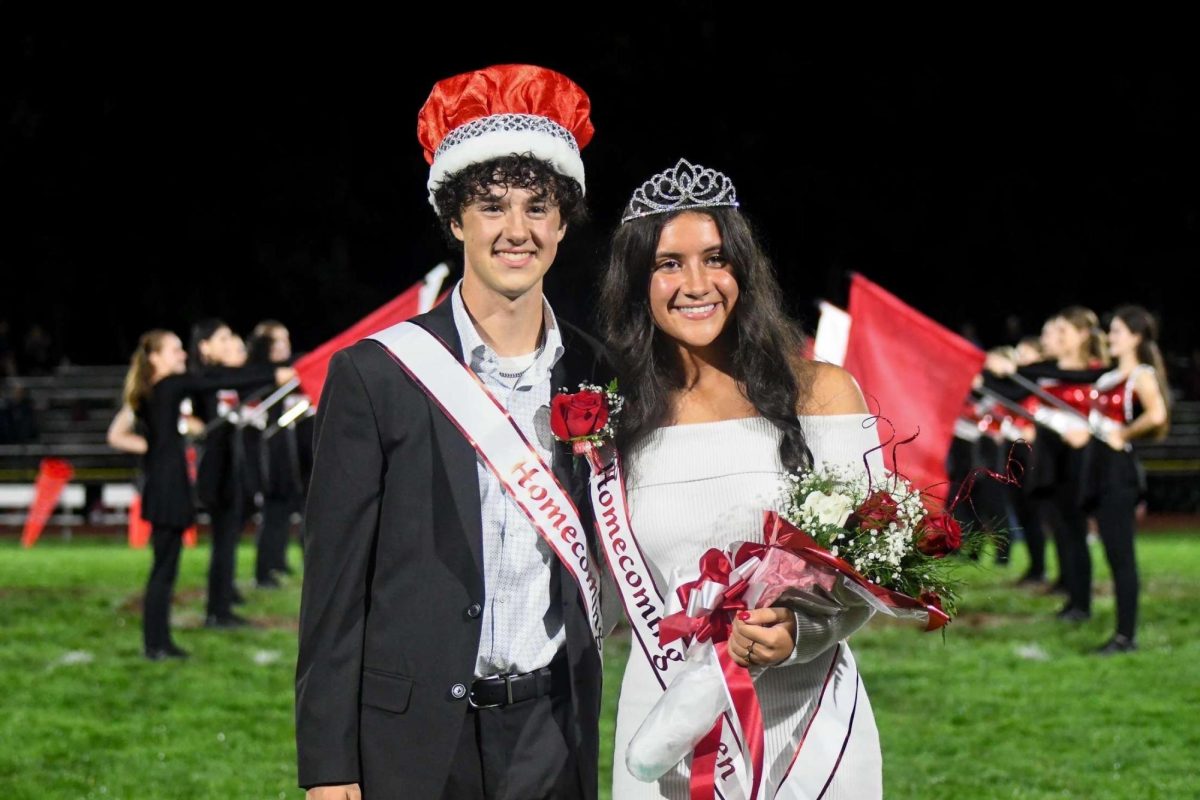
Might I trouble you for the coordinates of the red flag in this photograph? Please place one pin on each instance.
(139, 529)
(53, 476)
(915, 371)
(312, 367)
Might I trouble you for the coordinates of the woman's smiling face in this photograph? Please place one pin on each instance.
(693, 291)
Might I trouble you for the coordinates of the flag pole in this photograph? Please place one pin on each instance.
(289, 418)
(1001, 400)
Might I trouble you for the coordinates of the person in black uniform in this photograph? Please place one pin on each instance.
(1082, 357)
(220, 476)
(274, 461)
(156, 384)
(1129, 402)
(1018, 455)
(986, 450)
(1025, 506)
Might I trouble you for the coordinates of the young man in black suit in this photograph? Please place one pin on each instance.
(445, 651)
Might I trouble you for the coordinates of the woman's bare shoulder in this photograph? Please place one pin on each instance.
(830, 390)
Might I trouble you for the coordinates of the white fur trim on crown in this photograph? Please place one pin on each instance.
(503, 143)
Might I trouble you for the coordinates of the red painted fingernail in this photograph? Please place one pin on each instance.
(743, 615)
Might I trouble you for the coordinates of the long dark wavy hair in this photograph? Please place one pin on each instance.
(1142, 323)
(764, 343)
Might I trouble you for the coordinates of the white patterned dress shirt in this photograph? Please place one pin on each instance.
(522, 625)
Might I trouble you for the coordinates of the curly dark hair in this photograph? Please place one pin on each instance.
(761, 337)
(517, 171)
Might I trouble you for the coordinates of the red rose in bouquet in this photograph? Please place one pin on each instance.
(583, 413)
(878, 511)
(939, 534)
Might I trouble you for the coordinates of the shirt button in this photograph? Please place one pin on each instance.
(474, 610)
(458, 691)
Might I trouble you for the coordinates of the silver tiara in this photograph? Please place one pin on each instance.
(681, 187)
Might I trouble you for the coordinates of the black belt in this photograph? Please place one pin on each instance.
(504, 690)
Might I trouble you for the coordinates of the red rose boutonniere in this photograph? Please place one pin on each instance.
(585, 419)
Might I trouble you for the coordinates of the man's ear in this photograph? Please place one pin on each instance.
(456, 229)
(562, 231)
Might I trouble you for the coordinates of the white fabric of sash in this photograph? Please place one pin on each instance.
(645, 608)
(483, 421)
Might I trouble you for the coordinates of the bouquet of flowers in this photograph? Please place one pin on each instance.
(840, 542)
(884, 533)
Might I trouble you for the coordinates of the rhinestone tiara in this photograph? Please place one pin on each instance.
(681, 187)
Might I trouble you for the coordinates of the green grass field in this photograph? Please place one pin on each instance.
(1009, 705)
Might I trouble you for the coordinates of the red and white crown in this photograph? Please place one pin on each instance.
(501, 110)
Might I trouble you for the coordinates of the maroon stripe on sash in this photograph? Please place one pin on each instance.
(845, 741)
(837, 651)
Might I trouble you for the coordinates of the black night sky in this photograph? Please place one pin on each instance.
(155, 171)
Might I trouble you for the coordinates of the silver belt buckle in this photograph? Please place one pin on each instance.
(507, 678)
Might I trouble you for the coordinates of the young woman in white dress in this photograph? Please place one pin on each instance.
(719, 406)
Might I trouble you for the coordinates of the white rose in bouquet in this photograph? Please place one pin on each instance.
(827, 509)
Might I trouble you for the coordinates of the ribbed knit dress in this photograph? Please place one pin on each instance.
(692, 487)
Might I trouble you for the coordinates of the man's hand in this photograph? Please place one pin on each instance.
(771, 631)
(349, 791)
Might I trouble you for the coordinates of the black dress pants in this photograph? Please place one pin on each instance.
(156, 614)
(273, 537)
(227, 523)
(1069, 520)
(1115, 516)
(1112, 488)
(1070, 536)
(1028, 511)
(1029, 516)
(520, 752)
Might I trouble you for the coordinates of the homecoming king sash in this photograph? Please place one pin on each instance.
(483, 421)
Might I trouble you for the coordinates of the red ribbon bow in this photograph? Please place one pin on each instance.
(715, 568)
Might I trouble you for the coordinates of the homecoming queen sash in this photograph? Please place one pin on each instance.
(720, 761)
(728, 763)
(501, 446)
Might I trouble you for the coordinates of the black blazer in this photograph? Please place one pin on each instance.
(393, 579)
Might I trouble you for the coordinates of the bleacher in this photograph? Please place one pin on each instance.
(1173, 465)
(72, 410)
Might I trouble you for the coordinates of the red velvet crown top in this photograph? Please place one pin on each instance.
(503, 89)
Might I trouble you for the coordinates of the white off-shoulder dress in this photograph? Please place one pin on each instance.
(692, 487)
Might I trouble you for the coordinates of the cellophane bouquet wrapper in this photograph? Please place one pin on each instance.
(697, 697)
